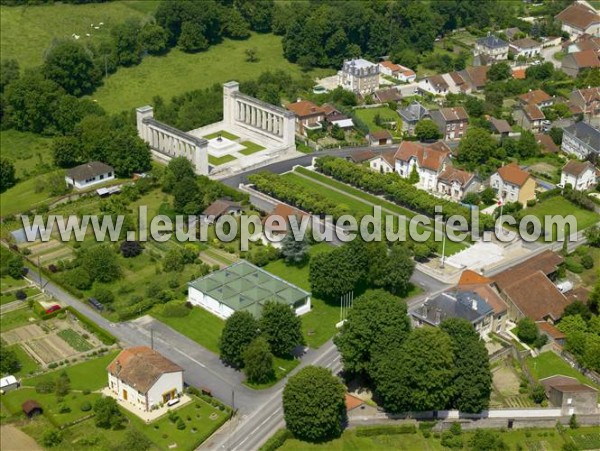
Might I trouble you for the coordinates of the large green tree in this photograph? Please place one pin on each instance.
(258, 361)
(9, 363)
(476, 147)
(9, 71)
(240, 329)
(313, 404)
(281, 327)
(418, 375)
(295, 251)
(426, 130)
(107, 413)
(376, 323)
(101, 263)
(70, 64)
(473, 379)
(7, 174)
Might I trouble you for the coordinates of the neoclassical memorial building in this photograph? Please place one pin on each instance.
(252, 133)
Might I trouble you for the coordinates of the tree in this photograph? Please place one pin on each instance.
(240, 329)
(573, 424)
(101, 263)
(78, 278)
(474, 106)
(15, 267)
(52, 438)
(185, 196)
(417, 375)
(499, 72)
(331, 274)
(538, 393)
(426, 130)
(153, 39)
(484, 440)
(592, 235)
(281, 327)
(67, 151)
(104, 295)
(376, 323)
(7, 174)
(178, 169)
(295, 251)
(192, 37)
(258, 361)
(556, 134)
(392, 270)
(9, 71)
(487, 196)
(476, 147)
(126, 42)
(251, 56)
(62, 385)
(413, 178)
(70, 65)
(473, 379)
(135, 440)
(107, 413)
(9, 363)
(313, 404)
(235, 26)
(527, 330)
(337, 132)
(131, 249)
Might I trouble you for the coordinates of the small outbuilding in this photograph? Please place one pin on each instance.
(89, 174)
(379, 138)
(32, 408)
(221, 207)
(8, 383)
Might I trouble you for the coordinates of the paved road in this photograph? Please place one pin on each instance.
(548, 55)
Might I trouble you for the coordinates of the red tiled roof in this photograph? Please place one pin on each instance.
(533, 112)
(387, 156)
(489, 294)
(578, 16)
(220, 207)
(454, 114)
(452, 174)
(535, 97)
(352, 402)
(478, 75)
(550, 330)
(518, 74)
(426, 156)
(547, 262)
(576, 168)
(525, 43)
(512, 173)
(500, 125)
(391, 66)
(469, 277)
(305, 108)
(284, 212)
(586, 58)
(546, 142)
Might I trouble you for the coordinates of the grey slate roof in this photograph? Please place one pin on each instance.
(453, 304)
(492, 42)
(413, 112)
(89, 170)
(585, 133)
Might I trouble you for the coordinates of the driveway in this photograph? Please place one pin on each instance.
(548, 55)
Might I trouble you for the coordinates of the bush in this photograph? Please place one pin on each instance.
(538, 394)
(277, 440)
(180, 424)
(46, 386)
(386, 430)
(52, 438)
(573, 266)
(63, 408)
(175, 309)
(587, 261)
(86, 406)
(21, 295)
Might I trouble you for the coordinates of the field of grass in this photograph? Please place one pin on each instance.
(30, 153)
(367, 115)
(201, 326)
(10, 296)
(282, 368)
(549, 364)
(27, 31)
(90, 375)
(28, 365)
(250, 148)
(560, 206)
(24, 196)
(223, 134)
(17, 318)
(7, 282)
(135, 86)
(216, 161)
(75, 340)
(530, 439)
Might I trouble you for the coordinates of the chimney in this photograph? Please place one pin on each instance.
(474, 304)
(118, 366)
(438, 316)
(298, 100)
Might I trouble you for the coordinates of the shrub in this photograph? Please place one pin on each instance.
(180, 424)
(386, 430)
(63, 408)
(52, 438)
(46, 386)
(573, 266)
(587, 261)
(21, 295)
(277, 440)
(175, 309)
(86, 406)
(86, 391)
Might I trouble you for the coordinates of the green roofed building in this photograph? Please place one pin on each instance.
(243, 286)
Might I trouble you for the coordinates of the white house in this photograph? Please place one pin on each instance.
(397, 71)
(513, 184)
(144, 378)
(492, 47)
(8, 383)
(525, 47)
(581, 139)
(383, 163)
(579, 18)
(427, 160)
(245, 287)
(359, 76)
(89, 174)
(456, 183)
(581, 175)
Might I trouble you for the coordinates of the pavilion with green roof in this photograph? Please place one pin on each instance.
(244, 287)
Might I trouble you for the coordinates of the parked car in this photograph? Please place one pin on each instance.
(53, 308)
(96, 304)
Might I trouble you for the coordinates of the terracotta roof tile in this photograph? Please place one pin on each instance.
(525, 43)
(547, 262)
(283, 211)
(512, 173)
(305, 108)
(500, 125)
(391, 66)
(380, 134)
(452, 174)
(546, 142)
(352, 402)
(427, 157)
(550, 330)
(576, 168)
(220, 207)
(454, 114)
(469, 277)
(579, 16)
(586, 58)
(536, 97)
(518, 74)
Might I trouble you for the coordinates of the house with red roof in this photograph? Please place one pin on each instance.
(397, 71)
(579, 18)
(573, 63)
(456, 183)
(452, 122)
(581, 175)
(383, 162)
(428, 160)
(513, 184)
(308, 116)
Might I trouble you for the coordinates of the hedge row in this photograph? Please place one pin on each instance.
(386, 430)
(395, 189)
(103, 335)
(277, 440)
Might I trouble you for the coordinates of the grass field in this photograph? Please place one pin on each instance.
(27, 31)
(135, 86)
(560, 206)
(250, 148)
(10, 296)
(367, 115)
(200, 325)
(529, 439)
(216, 161)
(7, 282)
(17, 318)
(23, 196)
(90, 375)
(28, 365)
(30, 153)
(548, 364)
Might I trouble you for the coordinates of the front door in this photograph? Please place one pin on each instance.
(125, 394)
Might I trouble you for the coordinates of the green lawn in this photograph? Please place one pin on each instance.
(17, 318)
(549, 364)
(282, 368)
(216, 161)
(30, 153)
(136, 86)
(7, 282)
(10, 296)
(529, 439)
(224, 134)
(250, 148)
(28, 365)
(558, 205)
(367, 115)
(23, 196)
(200, 326)
(90, 375)
(27, 31)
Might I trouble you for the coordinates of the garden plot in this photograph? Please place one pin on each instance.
(25, 333)
(49, 349)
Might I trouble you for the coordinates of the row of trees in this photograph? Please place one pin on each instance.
(394, 188)
(250, 343)
(422, 369)
(359, 265)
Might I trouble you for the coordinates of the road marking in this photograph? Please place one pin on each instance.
(259, 426)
